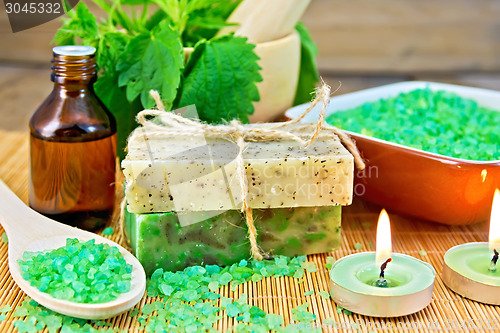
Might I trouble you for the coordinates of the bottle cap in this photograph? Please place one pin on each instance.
(74, 50)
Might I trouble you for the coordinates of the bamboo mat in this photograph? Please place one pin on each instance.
(280, 295)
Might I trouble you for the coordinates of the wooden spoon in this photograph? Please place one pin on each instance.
(28, 230)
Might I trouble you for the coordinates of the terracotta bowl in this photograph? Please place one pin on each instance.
(410, 181)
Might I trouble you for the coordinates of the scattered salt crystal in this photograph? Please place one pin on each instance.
(5, 308)
(324, 294)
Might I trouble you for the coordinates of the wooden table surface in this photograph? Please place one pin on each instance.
(281, 295)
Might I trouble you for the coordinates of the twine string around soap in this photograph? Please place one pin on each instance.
(161, 123)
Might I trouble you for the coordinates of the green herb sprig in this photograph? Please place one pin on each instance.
(140, 46)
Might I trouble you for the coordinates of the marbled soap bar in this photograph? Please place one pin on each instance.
(194, 173)
(159, 241)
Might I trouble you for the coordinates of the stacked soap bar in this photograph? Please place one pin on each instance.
(184, 196)
(158, 240)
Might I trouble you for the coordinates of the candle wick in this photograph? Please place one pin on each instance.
(493, 265)
(382, 282)
(383, 267)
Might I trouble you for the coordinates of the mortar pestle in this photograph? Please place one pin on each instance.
(271, 26)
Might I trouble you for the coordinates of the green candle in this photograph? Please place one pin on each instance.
(382, 283)
(467, 272)
(471, 269)
(473, 261)
(410, 283)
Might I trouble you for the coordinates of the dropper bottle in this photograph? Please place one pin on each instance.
(73, 145)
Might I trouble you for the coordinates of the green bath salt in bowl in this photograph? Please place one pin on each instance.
(440, 122)
(431, 149)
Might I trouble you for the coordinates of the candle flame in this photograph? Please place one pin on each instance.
(384, 245)
(495, 222)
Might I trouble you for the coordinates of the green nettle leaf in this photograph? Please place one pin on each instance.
(194, 5)
(134, 2)
(152, 61)
(82, 24)
(220, 79)
(308, 75)
(65, 35)
(155, 19)
(111, 46)
(205, 19)
(116, 101)
(214, 8)
(171, 8)
(137, 53)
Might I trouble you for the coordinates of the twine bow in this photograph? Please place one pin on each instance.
(171, 124)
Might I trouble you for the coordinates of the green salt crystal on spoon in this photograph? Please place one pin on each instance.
(104, 280)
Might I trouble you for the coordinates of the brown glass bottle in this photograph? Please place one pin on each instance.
(73, 145)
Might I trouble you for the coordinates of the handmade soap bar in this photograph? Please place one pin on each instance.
(194, 173)
(158, 240)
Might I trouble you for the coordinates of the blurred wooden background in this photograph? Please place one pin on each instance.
(363, 43)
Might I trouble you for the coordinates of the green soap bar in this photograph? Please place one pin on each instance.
(159, 241)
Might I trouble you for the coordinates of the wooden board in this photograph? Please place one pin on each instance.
(280, 295)
(23, 89)
(383, 36)
(406, 36)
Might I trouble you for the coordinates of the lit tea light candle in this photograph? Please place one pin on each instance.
(471, 269)
(382, 283)
(384, 247)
